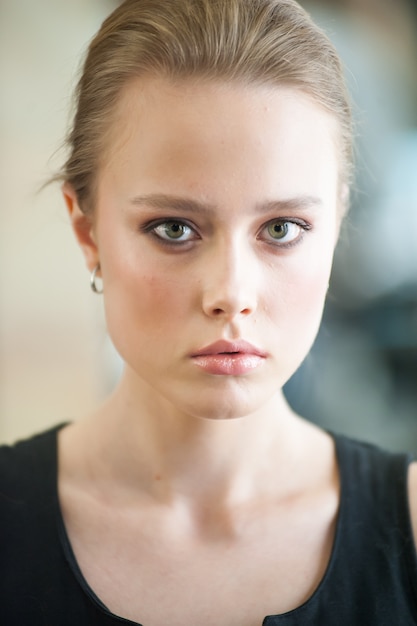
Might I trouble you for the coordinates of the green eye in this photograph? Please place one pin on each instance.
(278, 230)
(283, 232)
(173, 231)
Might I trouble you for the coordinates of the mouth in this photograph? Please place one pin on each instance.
(229, 358)
(230, 347)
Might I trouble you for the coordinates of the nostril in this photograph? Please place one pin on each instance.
(218, 311)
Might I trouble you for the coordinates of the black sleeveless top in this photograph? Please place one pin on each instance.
(371, 579)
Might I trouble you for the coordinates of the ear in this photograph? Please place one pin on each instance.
(82, 226)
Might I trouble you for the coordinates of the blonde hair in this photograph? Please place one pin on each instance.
(254, 41)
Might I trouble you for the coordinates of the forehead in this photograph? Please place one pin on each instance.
(174, 132)
(225, 103)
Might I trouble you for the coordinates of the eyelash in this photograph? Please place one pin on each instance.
(152, 226)
(302, 225)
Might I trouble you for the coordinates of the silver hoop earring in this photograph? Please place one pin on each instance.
(93, 285)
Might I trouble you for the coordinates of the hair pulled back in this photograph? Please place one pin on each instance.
(254, 41)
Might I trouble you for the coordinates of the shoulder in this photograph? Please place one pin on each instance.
(28, 498)
(36, 582)
(412, 497)
(26, 467)
(379, 486)
(383, 471)
(390, 478)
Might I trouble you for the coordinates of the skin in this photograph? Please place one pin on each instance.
(229, 281)
(184, 480)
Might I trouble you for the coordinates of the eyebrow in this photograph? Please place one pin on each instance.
(166, 202)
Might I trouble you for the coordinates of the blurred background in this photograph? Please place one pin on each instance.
(56, 362)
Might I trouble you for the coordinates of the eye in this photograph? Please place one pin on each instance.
(283, 232)
(173, 231)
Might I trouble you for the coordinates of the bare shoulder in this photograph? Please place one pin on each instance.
(412, 496)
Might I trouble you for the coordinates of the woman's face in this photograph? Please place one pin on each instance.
(216, 221)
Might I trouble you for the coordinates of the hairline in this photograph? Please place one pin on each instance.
(202, 78)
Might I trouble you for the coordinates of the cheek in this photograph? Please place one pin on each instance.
(313, 284)
(139, 287)
(141, 305)
(298, 298)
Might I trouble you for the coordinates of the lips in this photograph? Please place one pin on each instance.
(229, 358)
(230, 347)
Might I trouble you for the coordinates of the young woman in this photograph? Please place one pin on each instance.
(206, 182)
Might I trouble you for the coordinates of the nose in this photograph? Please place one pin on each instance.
(229, 288)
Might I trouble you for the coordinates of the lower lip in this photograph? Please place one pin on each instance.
(228, 364)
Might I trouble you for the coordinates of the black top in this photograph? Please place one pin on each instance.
(371, 579)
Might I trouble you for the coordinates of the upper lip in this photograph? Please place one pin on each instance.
(230, 347)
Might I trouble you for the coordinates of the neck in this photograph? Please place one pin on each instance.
(172, 455)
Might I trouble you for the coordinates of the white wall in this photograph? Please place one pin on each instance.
(52, 342)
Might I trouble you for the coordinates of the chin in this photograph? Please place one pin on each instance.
(227, 404)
